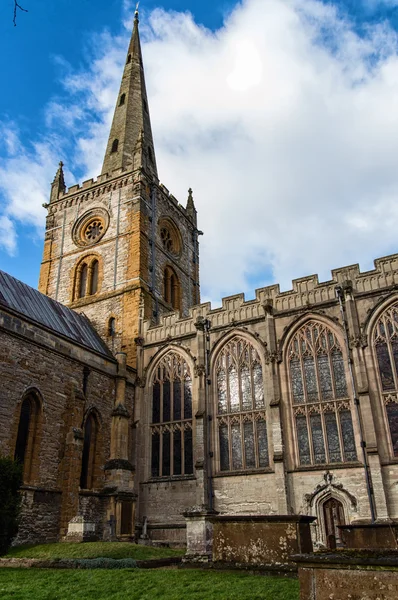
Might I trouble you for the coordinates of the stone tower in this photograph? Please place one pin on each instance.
(121, 248)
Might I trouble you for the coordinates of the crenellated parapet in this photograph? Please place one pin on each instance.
(306, 293)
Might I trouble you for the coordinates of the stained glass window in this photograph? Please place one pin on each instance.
(321, 406)
(385, 342)
(171, 428)
(241, 417)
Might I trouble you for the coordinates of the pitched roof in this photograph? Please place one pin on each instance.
(44, 310)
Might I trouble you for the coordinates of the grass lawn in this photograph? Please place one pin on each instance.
(43, 584)
(92, 550)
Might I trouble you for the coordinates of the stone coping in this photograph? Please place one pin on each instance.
(261, 518)
(348, 559)
(89, 563)
(386, 525)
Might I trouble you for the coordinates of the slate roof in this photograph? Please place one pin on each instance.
(44, 310)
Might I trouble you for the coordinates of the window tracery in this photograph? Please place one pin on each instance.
(321, 405)
(385, 343)
(170, 236)
(171, 423)
(241, 411)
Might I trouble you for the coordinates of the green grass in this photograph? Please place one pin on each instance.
(43, 584)
(92, 550)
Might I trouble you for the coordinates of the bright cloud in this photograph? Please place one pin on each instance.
(284, 122)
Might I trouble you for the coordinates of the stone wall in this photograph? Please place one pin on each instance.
(268, 322)
(35, 359)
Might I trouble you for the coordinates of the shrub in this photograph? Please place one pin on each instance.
(10, 501)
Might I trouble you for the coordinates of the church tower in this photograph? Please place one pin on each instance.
(121, 248)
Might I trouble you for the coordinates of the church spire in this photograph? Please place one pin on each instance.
(130, 145)
(58, 185)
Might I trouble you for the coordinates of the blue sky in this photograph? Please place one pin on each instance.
(292, 161)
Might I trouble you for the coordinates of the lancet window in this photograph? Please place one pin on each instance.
(385, 342)
(87, 277)
(241, 414)
(26, 447)
(171, 288)
(321, 405)
(171, 427)
(89, 452)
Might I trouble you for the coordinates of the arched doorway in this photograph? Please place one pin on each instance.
(333, 513)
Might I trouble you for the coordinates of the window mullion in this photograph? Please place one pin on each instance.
(342, 449)
(172, 452)
(325, 436)
(242, 441)
(310, 440)
(161, 452)
(255, 439)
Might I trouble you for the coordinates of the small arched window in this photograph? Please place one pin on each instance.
(83, 280)
(129, 59)
(122, 99)
(87, 277)
(89, 451)
(385, 344)
(112, 327)
(171, 288)
(94, 267)
(241, 414)
(26, 447)
(171, 428)
(321, 405)
(115, 146)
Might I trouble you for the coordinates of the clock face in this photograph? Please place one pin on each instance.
(90, 227)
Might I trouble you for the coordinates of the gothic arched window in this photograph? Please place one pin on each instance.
(321, 405)
(171, 288)
(89, 451)
(241, 414)
(122, 99)
(26, 447)
(115, 146)
(171, 428)
(385, 342)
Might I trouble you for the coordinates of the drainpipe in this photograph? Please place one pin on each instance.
(206, 335)
(368, 479)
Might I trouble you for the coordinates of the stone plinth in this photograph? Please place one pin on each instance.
(376, 535)
(199, 535)
(348, 575)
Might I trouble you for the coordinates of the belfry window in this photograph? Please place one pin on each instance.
(83, 280)
(122, 99)
(87, 276)
(115, 146)
(171, 288)
(94, 277)
(321, 406)
(26, 447)
(171, 428)
(385, 343)
(241, 413)
(89, 450)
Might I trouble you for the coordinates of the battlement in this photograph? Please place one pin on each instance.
(306, 292)
(107, 182)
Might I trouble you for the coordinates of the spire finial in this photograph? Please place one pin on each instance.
(136, 12)
(58, 185)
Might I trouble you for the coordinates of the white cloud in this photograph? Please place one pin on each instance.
(284, 122)
(8, 237)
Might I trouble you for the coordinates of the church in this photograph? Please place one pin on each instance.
(129, 402)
